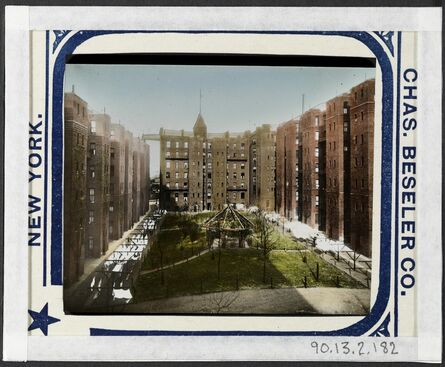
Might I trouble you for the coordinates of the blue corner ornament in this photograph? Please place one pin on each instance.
(387, 38)
(383, 329)
(60, 35)
(41, 320)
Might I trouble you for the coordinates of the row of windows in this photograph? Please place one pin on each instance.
(185, 144)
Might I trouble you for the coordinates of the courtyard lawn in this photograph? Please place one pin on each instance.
(173, 242)
(285, 242)
(240, 269)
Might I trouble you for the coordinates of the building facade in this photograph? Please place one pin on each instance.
(98, 184)
(76, 124)
(362, 158)
(117, 181)
(287, 169)
(310, 123)
(263, 171)
(337, 168)
(205, 171)
(334, 152)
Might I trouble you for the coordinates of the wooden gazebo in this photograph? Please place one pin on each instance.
(228, 225)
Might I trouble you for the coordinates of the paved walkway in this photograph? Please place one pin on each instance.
(174, 264)
(310, 301)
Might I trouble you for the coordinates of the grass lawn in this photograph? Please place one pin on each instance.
(284, 242)
(171, 240)
(242, 269)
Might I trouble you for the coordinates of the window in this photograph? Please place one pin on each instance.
(167, 174)
(177, 144)
(111, 206)
(242, 195)
(167, 185)
(317, 183)
(93, 126)
(92, 172)
(92, 196)
(243, 166)
(234, 166)
(317, 200)
(90, 242)
(186, 144)
(91, 217)
(316, 152)
(186, 165)
(176, 165)
(362, 115)
(242, 176)
(176, 174)
(93, 148)
(176, 185)
(316, 167)
(209, 175)
(317, 135)
(167, 153)
(168, 144)
(316, 120)
(167, 164)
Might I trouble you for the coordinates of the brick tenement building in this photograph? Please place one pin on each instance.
(205, 171)
(136, 192)
(287, 145)
(310, 123)
(145, 178)
(128, 184)
(98, 184)
(74, 184)
(262, 167)
(117, 181)
(335, 158)
(362, 158)
(337, 168)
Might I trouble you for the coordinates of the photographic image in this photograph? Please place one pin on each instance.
(218, 189)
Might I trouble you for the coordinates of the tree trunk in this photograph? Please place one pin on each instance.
(264, 271)
(219, 264)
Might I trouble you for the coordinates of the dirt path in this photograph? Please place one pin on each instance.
(174, 264)
(327, 301)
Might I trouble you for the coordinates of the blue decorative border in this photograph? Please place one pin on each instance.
(384, 287)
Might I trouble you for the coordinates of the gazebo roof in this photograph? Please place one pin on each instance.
(228, 219)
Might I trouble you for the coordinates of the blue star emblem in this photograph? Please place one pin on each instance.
(41, 320)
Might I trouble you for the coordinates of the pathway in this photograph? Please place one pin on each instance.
(174, 264)
(285, 301)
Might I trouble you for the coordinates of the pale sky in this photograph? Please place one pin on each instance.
(144, 98)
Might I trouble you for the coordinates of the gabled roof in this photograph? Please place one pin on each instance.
(229, 219)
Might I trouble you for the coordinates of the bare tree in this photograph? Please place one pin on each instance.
(264, 239)
(219, 301)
